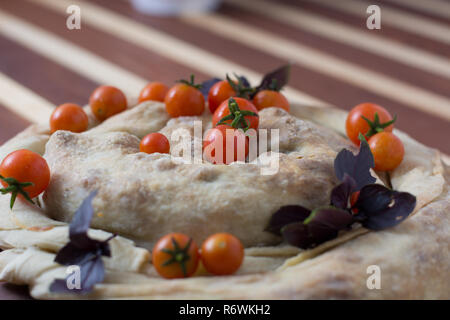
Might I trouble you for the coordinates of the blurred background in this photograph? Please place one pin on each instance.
(337, 60)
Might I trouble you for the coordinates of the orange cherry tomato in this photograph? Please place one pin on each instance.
(387, 150)
(218, 93)
(155, 91)
(355, 123)
(155, 142)
(184, 100)
(29, 170)
(270, 98)
(107, 101)
(222, 254)
(224, 144)
(69, 117)
(175, 256)
(223, 110)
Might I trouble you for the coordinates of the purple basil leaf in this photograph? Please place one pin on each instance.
(373, 198)
(358, 167)
(60, 286)
(322, 225)
(244, 81)
(340, 194)
(71, 254)
(286, 215)
(280, 76)
(331, 218)
(83, 251)
(296, 234)
(82, 220)
(380, 208)
(92, 271)
(206, 86)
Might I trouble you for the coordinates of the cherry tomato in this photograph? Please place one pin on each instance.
(155, 142)
(155, 91)
(353, 198)
(218, 93)
(355, 123)
(107, 101)
(217, 148)
(387, 151)
(222, 254)
(224, 110)
(270, 98)
(29, 172)
(184, 100)
(69, 117)
(175, 256)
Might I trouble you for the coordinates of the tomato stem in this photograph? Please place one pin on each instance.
(191, 82)
(15, 187)
(242, 90)
(178, 255)
(237, 116)
(376, 126)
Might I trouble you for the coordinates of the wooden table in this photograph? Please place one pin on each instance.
(404, 66)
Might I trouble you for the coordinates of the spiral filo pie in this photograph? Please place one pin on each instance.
(142, 197)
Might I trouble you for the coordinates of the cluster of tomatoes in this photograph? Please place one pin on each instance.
(177, 256)
(234, 112)
(376, 124)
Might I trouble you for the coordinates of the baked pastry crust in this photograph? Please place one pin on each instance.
(413, 256)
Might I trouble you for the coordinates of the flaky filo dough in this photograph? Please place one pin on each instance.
(413, 257)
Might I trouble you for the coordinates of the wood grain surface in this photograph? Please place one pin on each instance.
(337, 61)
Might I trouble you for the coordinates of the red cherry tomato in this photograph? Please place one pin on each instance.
(222, 254)
(29, 170)
(270, 98)
(155, 142)
(175, 256)
(155, 91)
(218, 93)
(223, 110)
(107, 101)
(217, 146)
(69, 117)
(387, 150)
(356, 124)
(184, 100)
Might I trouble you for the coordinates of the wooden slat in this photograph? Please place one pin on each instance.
(412, 96)
(164, 44)
(65, 53)
(424, 27)
(300, 29)
(23, 101)
(143, 63)
(387, 31)
(435, 7)
(42, 75)
(358, 37)
(10, 124)
(413, 10)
